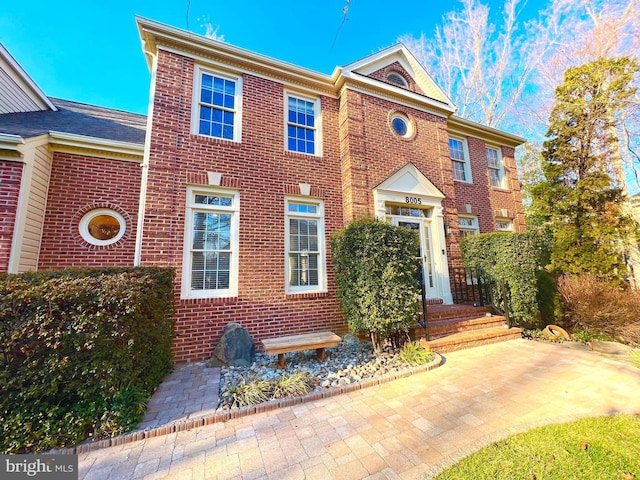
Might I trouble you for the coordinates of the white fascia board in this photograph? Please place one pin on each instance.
(400, 53)
(465, 127)
(93, 146)
(10, 147)
(22, 78)
(155, 35)
(397, 94)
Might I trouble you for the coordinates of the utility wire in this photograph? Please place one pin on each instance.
(345, 9)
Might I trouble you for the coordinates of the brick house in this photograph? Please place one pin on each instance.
(248, 166)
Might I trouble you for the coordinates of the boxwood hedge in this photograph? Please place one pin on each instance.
(81, 352)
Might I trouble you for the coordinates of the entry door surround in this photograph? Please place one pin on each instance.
(410, 187)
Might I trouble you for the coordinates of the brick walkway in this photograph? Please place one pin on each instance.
(191, 390)
(409, 428)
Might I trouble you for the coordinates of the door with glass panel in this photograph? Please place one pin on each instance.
(418, 220)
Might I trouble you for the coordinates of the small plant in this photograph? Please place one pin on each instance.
(258, 390)
(583, 336)
(635, 357)
(250, 393)
(415, 354)
(534, 334)
(293, 385)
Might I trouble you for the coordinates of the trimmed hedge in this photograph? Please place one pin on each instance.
(81, 352)
(512, 258)
(375, 267)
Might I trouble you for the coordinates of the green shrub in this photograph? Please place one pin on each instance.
(512, 258)
(415, 354)
(375, 269)
(81, 352)
(598, 306)
(548, 299)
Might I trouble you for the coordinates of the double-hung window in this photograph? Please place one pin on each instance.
(496, 170)
(468, 225)
(302, 124)
(504, 224)
(460, 160)
(217, 105)
(210, 263)
(305, 258)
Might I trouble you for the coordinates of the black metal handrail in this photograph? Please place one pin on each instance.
(473, 286)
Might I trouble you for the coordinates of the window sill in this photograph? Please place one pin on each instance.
(466, 182)
(500, 189)
(214, 140)
(304, 155)
(210, 300)
(306, 295)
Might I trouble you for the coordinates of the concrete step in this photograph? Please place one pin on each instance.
(472, 338)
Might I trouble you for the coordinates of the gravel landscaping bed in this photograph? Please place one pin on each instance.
(349, 362)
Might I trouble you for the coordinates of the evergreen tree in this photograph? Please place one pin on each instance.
(582, 195)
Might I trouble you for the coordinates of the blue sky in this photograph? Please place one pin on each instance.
(90, 51)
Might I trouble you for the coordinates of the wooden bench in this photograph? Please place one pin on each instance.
(295, 343)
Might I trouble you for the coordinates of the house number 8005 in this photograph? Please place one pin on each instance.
(413, 200)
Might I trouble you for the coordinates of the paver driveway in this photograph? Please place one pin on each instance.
(409, 428)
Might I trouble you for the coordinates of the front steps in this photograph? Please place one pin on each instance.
(456, 327)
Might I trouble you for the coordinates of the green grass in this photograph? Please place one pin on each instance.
(635, 357)
(593, 448)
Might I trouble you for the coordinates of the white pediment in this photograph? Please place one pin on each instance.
(410, 181)
(401, 54)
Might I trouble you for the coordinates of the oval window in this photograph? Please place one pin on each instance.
(102, 227)
(401, 125)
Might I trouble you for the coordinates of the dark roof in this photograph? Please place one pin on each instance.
(79, 119)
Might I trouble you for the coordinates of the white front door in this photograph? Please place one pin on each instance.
(425, 255)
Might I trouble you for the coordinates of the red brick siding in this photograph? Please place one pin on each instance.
(10, 180)
(264, 173)
(371, 152)
(480, 190)
(395, 67)
(359, 151)
(79, 184)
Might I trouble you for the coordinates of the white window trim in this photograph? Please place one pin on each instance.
(467, 160)
(83, 226)
(402, 83)
(500, 169)
(504, 220)
(322, 267)
(318, 121)
(475, 228)
(195, 110)
(191, 207)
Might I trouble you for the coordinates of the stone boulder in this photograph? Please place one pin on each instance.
(235, 348)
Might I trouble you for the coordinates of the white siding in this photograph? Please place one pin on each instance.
(13, 98)
(35, 204)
